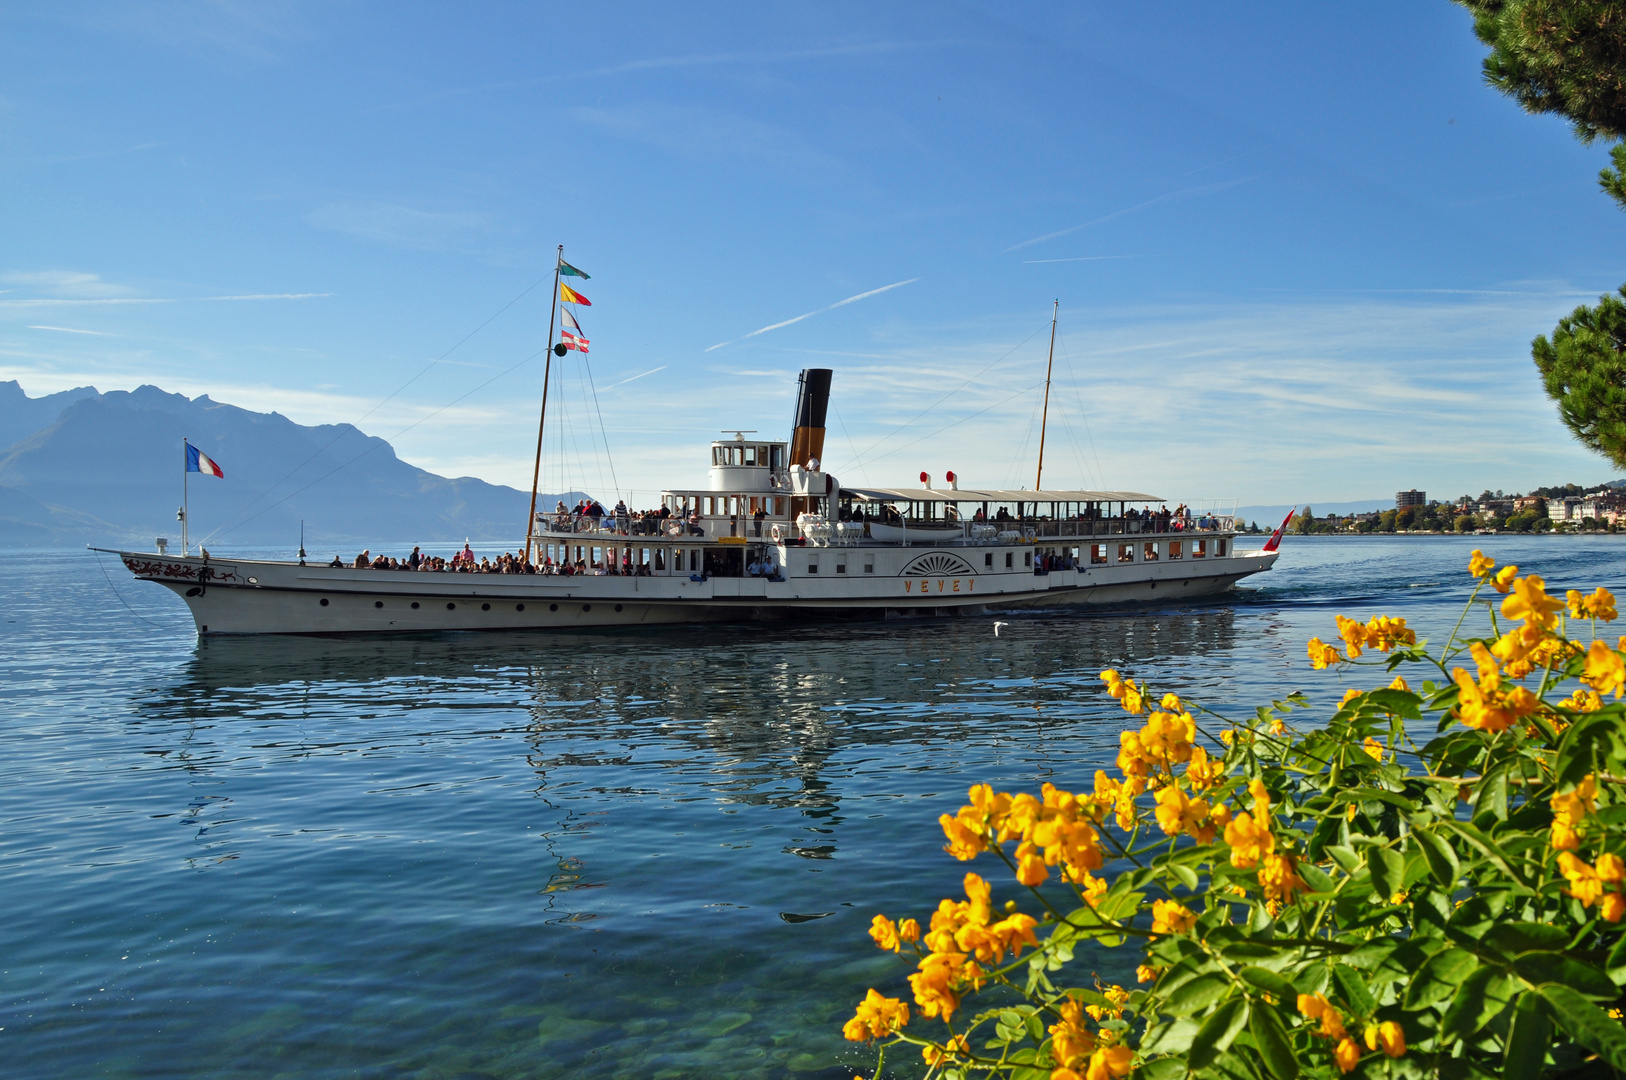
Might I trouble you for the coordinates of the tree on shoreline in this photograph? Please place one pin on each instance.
(1569, 57)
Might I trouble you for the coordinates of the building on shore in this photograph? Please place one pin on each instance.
(1412, 497)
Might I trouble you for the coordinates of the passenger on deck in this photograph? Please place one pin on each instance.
(364, 560)
(415, 559)
(337, 562)
(757, 519)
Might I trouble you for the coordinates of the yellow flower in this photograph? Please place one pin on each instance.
(936, 983)
(950, 1051)
(1605, 671)
(1610, 868)
(909, 930)
(1600, 605)
(1279, 879)
(1373, 748)
(1349, 695)
(1317, 1007)
(1582, 700)
(1171, 917)
(1347, 1055)
(1478, 709)
(1529, 602)
(1110, 1062)
(1147, 973)
(885, 933)
(1480, 564)
(1503, 581)
(876, 1016)
(1249, 841)
(1322, 655)
(1584, 883)
(1388, 1037)
(1612, 907)
(1399, 684)
(1071, 1039)
(1201, 770)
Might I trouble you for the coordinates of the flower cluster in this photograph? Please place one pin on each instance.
(1275, 853)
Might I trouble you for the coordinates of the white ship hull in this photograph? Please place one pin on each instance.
(255, 597)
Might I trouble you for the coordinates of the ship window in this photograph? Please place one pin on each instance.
(694, 559)
(812, 564)
(717, 455)
(988, 560)
(1126, 552)
(660, 559)
(750, 455)
(1098, 554)
(869, 564)
(1007, 560)
(1149, 553)
(1176, 549)
(1219, 549)
(1027, 558)
(841, 565)
(1199, 549)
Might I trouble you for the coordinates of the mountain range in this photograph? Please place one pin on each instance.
(83, 467)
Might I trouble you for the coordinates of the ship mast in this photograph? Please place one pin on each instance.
(1044, 420)
(542, 420)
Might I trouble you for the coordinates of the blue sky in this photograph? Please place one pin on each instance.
(1300, 249)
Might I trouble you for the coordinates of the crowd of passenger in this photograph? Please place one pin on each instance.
(590, 516)
(464, 562)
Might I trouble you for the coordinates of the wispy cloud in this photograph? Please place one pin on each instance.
(55, 302)
(70, 330)
(1083, 258)
(1183, 193)
(65, 283)
(401, 226)
(817, 311)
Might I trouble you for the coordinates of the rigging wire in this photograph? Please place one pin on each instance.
(851, 445)
(945, 397)
(1083, 414)
(375, 444)
(961, 420)
(232, 523)
(603, 434)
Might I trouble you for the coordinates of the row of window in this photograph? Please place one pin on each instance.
(1156, 550)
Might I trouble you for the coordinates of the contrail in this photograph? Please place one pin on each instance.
(1200, 190)
(818, 311)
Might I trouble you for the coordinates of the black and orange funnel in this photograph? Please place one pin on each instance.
(812, 400)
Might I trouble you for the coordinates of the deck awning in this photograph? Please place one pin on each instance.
(995, 496)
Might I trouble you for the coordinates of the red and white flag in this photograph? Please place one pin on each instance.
(571, 332)
(198, 461)
(1275, 540)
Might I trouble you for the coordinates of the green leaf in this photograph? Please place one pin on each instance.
(1116, 907)
(1186, 875)
(1513, 938)
(1527, 1041)
(1616, 964)
(1442, 861)
(1440, 977)
(1166, 1068)
(1271, 983)
(1215, 1036)
(1359, 997)
(1552, 967)
(1174, 1037)
(1345, 857)
(1388, 872)
(1490, 794)
(1587, 1024)
(1489, 849)
(1270, 1037)
(1482, 995)
(1199, 993)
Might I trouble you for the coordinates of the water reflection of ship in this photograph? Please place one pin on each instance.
(767, 709)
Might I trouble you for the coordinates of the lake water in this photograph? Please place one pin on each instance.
(646, 854)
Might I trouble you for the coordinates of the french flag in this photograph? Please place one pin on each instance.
(198, 461)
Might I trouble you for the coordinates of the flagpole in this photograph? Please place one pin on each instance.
(542, 420)
(1046, 418)
(184, 514)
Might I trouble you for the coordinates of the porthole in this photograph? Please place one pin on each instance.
(324, 601)
(449, 607)
(485, 607)
(519, 607)
(414, 605)
(378, 603)
(587, 607)
(553, 607)
(205, 628)
(618, 607)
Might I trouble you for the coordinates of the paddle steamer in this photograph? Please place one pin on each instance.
(774, 535)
